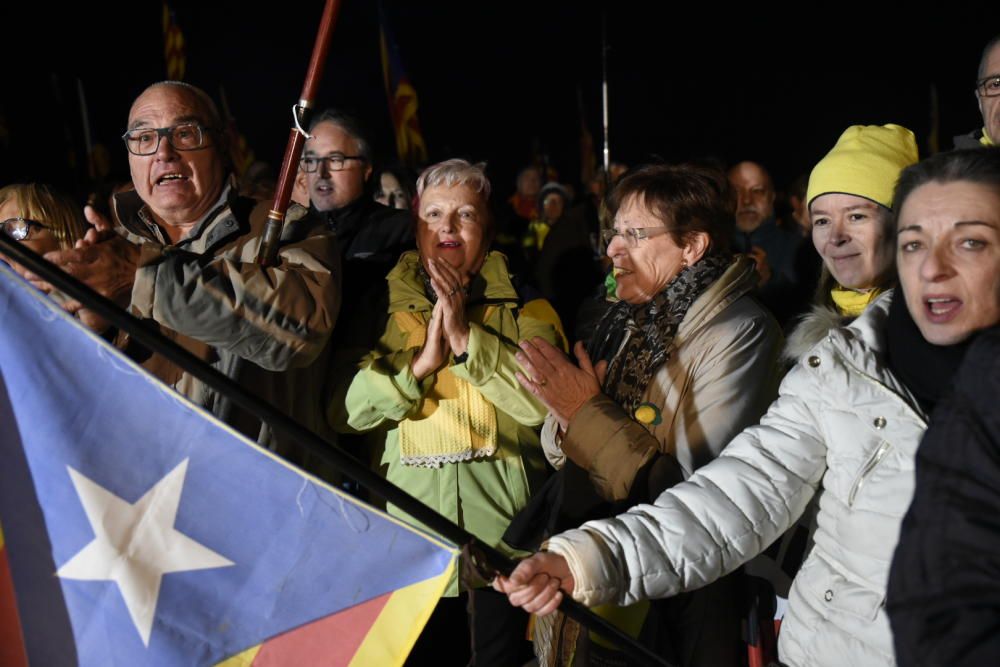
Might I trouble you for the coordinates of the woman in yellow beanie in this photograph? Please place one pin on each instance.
(850, 199)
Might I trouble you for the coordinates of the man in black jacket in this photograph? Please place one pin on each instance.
(335, 168)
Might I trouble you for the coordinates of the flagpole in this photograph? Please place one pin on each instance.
(604, 101)
(149, 336)
(301, 112)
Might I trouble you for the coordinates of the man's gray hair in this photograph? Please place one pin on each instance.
(990, 45)
(212, 117)
(349, 125)
(455, 172)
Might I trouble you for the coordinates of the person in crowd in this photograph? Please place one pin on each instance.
(336, 165)
(41, 218)
(554, 200)
(188, 264)
(943, 598)
(459, 431)
(395, 187)
(771, 245)
(336, 172)
(845, 427)
(515, 214)
(848, 199)
(690, 359)
(560, 257)
(988, 96)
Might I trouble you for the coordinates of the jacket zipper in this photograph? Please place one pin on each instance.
(867, 470)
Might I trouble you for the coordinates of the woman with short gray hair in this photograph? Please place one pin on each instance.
(441, 385)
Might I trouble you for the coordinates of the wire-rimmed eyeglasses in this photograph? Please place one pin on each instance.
(631, 235)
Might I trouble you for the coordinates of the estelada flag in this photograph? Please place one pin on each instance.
(138, 530)
(402, 98)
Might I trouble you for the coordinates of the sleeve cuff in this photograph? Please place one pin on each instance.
(481, 357)
(586, 556)
(406, 382)
(593, 425)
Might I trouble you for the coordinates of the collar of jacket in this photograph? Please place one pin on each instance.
(764, 231)
(739, 279)
(217, 225)
(346, 220)
(862, 345)
(811, 329)
(491, 285)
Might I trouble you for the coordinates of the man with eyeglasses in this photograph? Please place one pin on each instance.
(336, 168)
(988, 95)
(187, 262)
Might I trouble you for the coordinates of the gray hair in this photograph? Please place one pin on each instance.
(456, 172)
(208, 107)
(348, 124)
(986, 54)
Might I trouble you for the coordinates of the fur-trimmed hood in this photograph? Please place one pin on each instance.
(811, 329)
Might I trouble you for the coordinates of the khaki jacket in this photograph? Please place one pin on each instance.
(266, 328)
(721, 375)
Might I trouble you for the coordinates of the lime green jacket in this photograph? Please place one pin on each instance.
(480, 495)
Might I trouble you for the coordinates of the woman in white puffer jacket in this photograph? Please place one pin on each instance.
(845, 427)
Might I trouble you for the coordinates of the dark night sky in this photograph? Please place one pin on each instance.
(494, 77)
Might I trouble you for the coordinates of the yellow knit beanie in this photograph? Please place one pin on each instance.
(865, 162)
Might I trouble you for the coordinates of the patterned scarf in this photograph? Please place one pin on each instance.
(651, 328)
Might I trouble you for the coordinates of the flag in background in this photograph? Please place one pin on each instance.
(140, 530)
(173, 45)
(402, 98)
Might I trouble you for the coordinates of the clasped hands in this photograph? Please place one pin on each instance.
(448, 329)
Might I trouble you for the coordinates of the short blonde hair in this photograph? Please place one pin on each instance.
(39, 202)
(456, 172)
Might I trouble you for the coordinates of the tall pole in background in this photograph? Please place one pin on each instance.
(604, 100)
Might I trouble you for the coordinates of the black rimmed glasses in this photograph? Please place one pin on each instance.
(21, 229)
(989, 87)
(182, 137)
(632, 235)
(333, 162)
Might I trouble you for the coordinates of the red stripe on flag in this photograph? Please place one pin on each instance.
(12, 652)
(331, 641)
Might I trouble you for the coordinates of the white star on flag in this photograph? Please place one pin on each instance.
(135, 545)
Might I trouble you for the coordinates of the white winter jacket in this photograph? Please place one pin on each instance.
(843, 428)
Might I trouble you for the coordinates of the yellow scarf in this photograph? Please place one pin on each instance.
(851, 303)
(985, 139)
(453, 423)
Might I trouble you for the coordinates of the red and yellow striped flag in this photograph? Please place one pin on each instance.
(402, 101)
(173, 45)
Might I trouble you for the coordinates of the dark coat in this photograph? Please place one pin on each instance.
(944, 586)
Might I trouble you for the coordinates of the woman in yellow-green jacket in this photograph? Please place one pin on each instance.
(460, 430)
